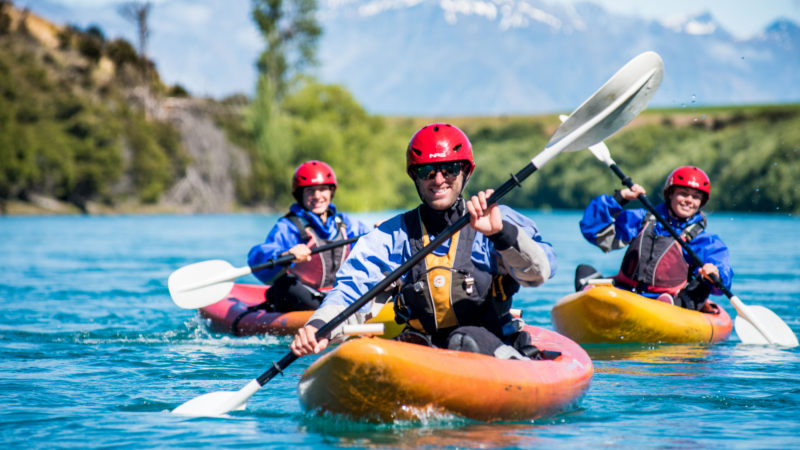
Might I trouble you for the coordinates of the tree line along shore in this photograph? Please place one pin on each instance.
(87, 126)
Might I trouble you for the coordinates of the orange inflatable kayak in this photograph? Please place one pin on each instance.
(384, 380)
(605, 314)
(235, 316)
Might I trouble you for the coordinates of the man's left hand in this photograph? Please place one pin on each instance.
(483, 218)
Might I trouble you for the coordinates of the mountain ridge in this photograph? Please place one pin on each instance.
(393, 58)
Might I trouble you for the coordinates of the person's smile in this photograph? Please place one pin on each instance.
(441, 192)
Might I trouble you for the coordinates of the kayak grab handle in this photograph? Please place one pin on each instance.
(364, 329)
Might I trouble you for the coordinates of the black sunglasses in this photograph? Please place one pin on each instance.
(449, 169)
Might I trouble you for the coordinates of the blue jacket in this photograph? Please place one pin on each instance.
(285, 235)
(607, 225)
(387, 247)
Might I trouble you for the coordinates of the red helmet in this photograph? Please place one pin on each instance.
(688, 176)
(312, 173)
(439, 142)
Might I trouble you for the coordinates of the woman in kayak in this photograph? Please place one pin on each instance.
(312, 221)
(655, 265)
(459, 296)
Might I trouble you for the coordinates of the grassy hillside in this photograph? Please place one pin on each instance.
(752, 155)
(67, 129)
(71, 131)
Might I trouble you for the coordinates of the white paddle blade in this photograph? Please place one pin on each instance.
(615, 104)
(208, 405)
(599, 150)
(218, 403)
(779, 331)
(202, 284)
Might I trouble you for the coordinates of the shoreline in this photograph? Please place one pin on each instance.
(51, 207)
(44, 206)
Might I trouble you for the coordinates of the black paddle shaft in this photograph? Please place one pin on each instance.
(626, 180)
(325, 330)
(286, 259)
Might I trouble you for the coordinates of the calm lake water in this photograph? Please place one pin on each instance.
(94, 353)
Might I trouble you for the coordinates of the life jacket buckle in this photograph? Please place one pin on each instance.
(514, 325)
(401, 312)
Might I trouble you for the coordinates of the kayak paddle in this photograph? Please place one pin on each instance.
(615, 104)
(753, 324)
(207, 282)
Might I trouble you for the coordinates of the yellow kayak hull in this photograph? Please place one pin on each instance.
(605, 314)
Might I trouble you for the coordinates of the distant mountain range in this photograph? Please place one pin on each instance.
(466, 57)
(490, 57)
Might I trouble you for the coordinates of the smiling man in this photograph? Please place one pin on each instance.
(654, 264)
(459, 296)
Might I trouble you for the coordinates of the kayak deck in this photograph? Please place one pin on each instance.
(235, 316)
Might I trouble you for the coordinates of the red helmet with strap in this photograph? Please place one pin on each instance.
(439, 142)
(689, 176)
(312, 173)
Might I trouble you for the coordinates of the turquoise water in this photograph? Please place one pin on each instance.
(94, 353)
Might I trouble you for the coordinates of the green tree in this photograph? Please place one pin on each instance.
(291, 32)
(271, 156)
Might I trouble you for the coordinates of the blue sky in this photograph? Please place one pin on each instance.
(743, 18)
(209, 46)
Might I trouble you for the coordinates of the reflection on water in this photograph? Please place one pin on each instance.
(651, 359)
(450, 432)
(648, 353)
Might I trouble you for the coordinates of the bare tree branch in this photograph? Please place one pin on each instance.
(137, 13)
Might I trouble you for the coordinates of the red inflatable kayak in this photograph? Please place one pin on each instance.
(384, 380)
(235, 314)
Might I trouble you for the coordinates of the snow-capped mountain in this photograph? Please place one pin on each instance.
(482, 57)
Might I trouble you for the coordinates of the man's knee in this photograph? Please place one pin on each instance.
(473, 339)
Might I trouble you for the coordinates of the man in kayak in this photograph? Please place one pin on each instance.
(655, 265)
(311, 222)
(459, 296)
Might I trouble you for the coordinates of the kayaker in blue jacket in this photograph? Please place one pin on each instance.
(459, 296)
(654, 264)
(312, 221)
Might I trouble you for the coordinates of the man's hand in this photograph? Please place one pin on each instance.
(305, 342)
(483, 218)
